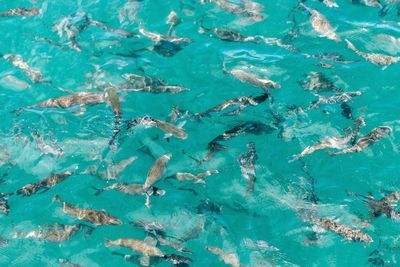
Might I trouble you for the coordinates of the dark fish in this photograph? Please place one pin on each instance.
(57, 232)
(247, 166)
(239, 102)
(367, 140)
(318, 82)
(21, 12)
(44, 184)
(4, 208)
(343, 230)
(70, 264)
(94, 216)
(206, 205)
(227, 34)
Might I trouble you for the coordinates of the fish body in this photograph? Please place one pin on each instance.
(137, 246)
(157, 171)
(45, 184)
(247, 165)
(34, 75)
(367, 140)
(21, 12)
(167, 127)
(231, 259)
(343, 230)
(94, 216)
(198, 178)
(321, 25)
(374, 58)
(246, 77)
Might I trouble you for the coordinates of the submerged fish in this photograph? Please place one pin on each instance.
(57, 232)
(157, 171)
(374, 58)
(318, 82)
(21, 12)
(384, 206)
(173, 20)
(67, 262)
(197, 178)
(44, 184)
(94, 216)
(227, 34)
(4, 208)
(247, 166)
(247, 77)
(112, 170)
(168, 128)
(130, 189)
(367, 140)
(156, 38)
(246, 8)
(248, 127)
(321, 25)
(231, 259)
(239, 102)
(335, 99)
(34, 75)
(343, 230)
(334, 142)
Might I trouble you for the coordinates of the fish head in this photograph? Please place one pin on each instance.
(385, 130)
(115, 221)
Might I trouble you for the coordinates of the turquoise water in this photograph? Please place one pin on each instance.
(272, 212)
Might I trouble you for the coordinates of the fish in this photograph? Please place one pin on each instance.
(333, 142)
(194, 232)
(112, 171)
(154, 228)
(94, 216)
(198, 178)
(57, 232)
(227, 35)
(247, 127)
(319, 82)
(384, 206)
(242, 102)
(321, 25)
(121, 32)
(245, 8)
(45, 184)
(247, 77)
(21, 12)
(173, 89)
(138, 81)
(367, 140)
(335, 99)
(130, 189)
(168, 128)
(374, 58)
(47, 147)
(157, 171)
(139, 246)
(343, 230)
(33, 74)
(247, 165)
(82, 98)
(334, 57)
(4, 207)
(231, 259)
(173, 20)
(330, 3)
(156, 38)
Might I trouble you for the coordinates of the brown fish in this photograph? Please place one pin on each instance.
(57, 232)
(94, 216)
(34, 75)
(168, 128)
(343, 230)
(21, 12)
(367, 140)
(157, 171)
(374, 58)
(44, 184)
(247, 166)
(246, 77)
(321, 25)
(231, 259)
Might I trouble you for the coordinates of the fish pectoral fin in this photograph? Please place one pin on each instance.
(144, 260)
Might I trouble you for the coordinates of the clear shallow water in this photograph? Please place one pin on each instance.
(270, 213)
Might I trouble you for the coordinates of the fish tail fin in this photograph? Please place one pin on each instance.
(98, 190)
(18, 111)
(108, 243)
(57, 198)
